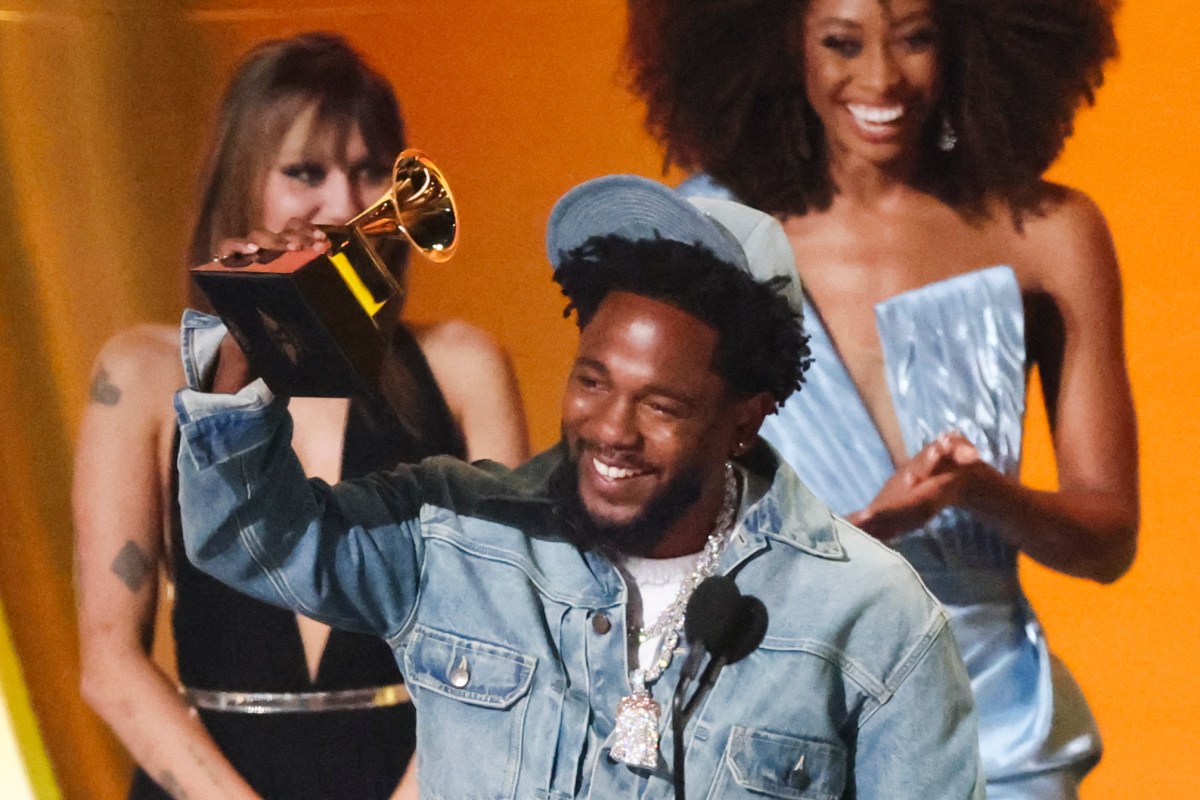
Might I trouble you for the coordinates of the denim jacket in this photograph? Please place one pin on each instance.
(513, 639)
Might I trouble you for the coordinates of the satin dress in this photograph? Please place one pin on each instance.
(955, 360)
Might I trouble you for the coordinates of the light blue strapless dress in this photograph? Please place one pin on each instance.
(954, 354)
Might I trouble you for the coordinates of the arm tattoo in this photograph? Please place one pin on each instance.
(132, 566)
(104, 392)
(205, 763)
(170, 785)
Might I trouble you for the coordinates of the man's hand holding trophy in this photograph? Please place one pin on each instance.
(313, 307)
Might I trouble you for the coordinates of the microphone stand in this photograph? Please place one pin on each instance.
(681, 712)
(678, 722)
(733, 644)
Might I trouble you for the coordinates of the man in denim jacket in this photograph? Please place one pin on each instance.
(512, 599)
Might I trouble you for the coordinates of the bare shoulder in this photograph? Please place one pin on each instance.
(143, 344)
(1066, 243)
(466, 362)
(480, 387)
(454, 335)
(457, 342)
(140, 365)
(1069, 214)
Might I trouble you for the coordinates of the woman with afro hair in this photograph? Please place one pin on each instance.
(902, 144)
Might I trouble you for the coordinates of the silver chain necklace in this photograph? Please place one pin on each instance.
(636, 735)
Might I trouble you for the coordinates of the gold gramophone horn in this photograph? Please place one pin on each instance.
(418, 207)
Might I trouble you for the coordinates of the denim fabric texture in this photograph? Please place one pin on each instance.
(955, 360)
(857, 691)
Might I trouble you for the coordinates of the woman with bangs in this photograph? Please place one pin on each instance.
(307, 135)
(902, 143)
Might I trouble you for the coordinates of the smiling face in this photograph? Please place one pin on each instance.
(871, 75)
(319, 179)
(649, 424)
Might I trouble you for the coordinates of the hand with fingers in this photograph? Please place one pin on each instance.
(298, 234)
(944, 473)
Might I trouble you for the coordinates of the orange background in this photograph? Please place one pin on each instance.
(104, 107)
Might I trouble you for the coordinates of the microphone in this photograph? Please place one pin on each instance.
(721, 621)
(709, 622)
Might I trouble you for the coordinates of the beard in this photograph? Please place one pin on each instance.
(640, 535)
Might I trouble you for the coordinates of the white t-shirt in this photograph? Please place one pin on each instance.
(653, 583)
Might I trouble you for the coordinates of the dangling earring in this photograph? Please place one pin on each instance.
(947, 138)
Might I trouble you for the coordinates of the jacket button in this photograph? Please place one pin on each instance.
(461, 674)
(600, 623)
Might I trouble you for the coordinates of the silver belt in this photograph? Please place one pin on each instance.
(285, 702)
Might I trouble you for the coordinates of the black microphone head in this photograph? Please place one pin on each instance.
(711, 615)
(749, 631)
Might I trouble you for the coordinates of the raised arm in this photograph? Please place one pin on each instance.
(474, 373)
(348, 556)
(119, 547)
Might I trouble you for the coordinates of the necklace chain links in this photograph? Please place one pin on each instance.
(638, 713)
(670, 621)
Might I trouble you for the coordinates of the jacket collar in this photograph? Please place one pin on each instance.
(776, 503)
(778, 506)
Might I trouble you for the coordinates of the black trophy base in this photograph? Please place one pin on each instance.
(307, 328)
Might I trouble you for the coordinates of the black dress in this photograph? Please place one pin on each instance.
(227, 641)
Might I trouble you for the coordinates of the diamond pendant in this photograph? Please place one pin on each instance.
(637, 730)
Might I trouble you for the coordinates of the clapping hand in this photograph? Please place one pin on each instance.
(942, 474)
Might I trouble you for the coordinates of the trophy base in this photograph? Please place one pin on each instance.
(309, 324)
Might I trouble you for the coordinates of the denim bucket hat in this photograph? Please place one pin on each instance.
(636, 208)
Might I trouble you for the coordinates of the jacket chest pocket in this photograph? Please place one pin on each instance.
(467, 688)
(763, 764)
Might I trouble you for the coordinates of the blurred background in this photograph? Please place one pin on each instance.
(104, 110)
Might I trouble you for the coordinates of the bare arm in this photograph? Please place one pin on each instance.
(477, 379)
(1088, 526)
(408, 788)
(119, 550)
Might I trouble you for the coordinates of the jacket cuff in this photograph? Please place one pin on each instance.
(216, 426)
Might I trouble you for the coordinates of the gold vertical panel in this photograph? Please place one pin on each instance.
(98, 134)
(31, 775)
